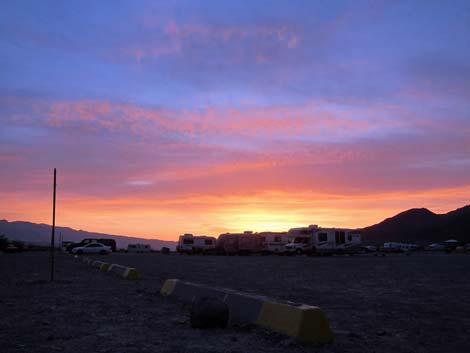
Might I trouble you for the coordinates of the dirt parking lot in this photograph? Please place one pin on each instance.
(417, 303)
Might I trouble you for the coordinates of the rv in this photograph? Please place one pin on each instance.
(334, 240)
(190, 244)
(300, 240)
(138, 248)
(273, 242)
(239, 243)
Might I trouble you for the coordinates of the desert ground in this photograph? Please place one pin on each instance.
(397, 303)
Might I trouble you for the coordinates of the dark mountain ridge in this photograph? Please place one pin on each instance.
(40, 234)
(417, 225)
(421, 226)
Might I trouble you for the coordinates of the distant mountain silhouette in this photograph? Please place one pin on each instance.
(419, 225)
(40, 234)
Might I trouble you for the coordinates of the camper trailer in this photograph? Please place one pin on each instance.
(273, 242)
(335, 240)
(190, 244)
(239, 243)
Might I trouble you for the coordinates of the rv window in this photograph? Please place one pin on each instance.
(349, 237)
(340, 237)
(208, 242)
(322, 237)
(277, 239)
(187, 241)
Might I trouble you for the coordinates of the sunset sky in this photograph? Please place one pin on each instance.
(170, 117)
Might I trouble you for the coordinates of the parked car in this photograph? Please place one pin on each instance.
(108, 242)
(436, 247)
(12, 248)
(452, 244)
(92, 248)
(369, 248)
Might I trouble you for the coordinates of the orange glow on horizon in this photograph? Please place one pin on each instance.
(213, 214)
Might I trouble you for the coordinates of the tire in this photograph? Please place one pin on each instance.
(102, 252)
(80, 252)
(298, 252)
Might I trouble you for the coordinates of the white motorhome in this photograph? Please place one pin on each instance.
(336, 240)
(191, 244)
(139, 248)
(273, 242)
(300, 239)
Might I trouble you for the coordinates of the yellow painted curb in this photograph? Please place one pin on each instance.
(104, 267)
(125, 272)
(168, 287)
(131, 273)
(304, 322)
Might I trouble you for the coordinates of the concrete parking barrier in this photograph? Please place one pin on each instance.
(189, 292)
(124, 272)
(304, 322)
(103, 266)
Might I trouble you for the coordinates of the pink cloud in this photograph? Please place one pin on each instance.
(95, 115)
(172, 38)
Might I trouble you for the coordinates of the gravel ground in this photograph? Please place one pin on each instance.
(417, 303)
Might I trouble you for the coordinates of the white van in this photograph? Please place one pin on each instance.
(139, 248)
(397, 247)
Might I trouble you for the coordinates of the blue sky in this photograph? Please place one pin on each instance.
(142, 102)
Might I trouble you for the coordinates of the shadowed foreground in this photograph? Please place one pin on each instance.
(415, 303)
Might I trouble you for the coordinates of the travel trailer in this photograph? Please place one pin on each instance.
(138, 248)
(239, 243)
(335, 240)
(190, 244)
(273, 242)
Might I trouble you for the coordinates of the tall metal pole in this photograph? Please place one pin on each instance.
(53, 229)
